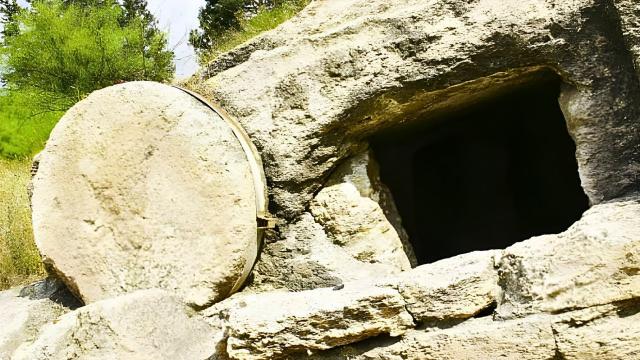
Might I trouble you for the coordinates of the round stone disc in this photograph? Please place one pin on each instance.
(143, 186)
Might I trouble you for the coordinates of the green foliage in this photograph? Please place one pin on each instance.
(66, 49)
(9, 9)
(225, 27)
(22, 133)
(216, 17)
(64, 52)
(19, 259)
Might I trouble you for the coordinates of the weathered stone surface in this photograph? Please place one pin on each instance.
(21, 318)
(475, 339)
(304, 258)
(276, 324)
(362, 171)
(325, 81)
(456, 288)
(629, 13)
(147, 324)
(596, 261)
(605, 332)
(142, 186)
(356, 235)
(340, 72)
(357, 224)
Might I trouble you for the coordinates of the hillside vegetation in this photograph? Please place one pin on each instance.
(19, 258)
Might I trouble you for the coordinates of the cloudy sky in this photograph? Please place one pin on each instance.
(177, 17)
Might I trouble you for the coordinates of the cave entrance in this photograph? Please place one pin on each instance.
(486, 177)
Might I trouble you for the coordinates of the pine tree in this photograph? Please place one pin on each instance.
(9, 10)
(72, 49)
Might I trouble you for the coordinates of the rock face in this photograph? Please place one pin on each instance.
(275, 325)
(450, 289)
(334, 278)
(629, 13)
(324, 82)
(142, 186)
(604, 332)
(349, 209)
(321, 85)
(595, 262)
(142, 325)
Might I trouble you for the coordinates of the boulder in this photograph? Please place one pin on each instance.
(456, 288)
(595, 262)
(143, 186)
(305, 258)
(277, 324)
(22, 317)
(358, 225)
(147, 324)
(365, 219)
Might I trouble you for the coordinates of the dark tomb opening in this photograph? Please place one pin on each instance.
(491, 175)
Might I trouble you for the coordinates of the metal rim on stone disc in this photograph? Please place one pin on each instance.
(263, 217)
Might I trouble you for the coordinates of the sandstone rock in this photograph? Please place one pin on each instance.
(604, 332)
(147, 324)
(323, 84)
(277, 324)
(142, 186)
(595, 262)
(21, 318)
(456, 288)
(363, 172)
(629, 13)
(358, 225)
(475, 339)
(304, 258)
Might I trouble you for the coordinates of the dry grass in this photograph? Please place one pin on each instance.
(19, 258)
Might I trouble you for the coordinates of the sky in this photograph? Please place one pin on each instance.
(177, 17)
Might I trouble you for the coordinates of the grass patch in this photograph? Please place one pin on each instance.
(19, 259)
(265, 19)
(22, 133)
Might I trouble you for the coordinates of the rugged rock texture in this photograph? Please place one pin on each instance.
(274, 325)
(629, 13)
(362, 173)
(312, 92)
(280, 324)
(595, 262)
(322, 83)
(147, 324)
(21, 318)
(356, 222)
(142, 186)
(527, 339)
(456, 288)
(603, 332)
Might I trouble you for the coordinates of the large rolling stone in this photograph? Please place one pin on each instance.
(143, 186)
